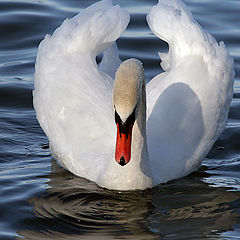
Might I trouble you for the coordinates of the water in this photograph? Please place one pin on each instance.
(39, 200)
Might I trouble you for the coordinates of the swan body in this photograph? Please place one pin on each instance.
(174, 119)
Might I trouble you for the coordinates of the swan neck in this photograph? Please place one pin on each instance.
(129, 96)
(139, 141)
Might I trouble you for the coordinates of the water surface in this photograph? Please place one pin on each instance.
(39, 200)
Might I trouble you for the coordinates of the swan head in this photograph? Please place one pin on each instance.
(127, 94)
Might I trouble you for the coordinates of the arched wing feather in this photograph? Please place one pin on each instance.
(72, 97)
(188, 104)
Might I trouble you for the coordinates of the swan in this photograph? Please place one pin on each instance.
(126, 134)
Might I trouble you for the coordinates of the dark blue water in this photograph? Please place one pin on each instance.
(39, 200)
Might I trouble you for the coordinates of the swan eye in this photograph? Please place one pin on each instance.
(131, 118)
(117, 118)
(124, 126)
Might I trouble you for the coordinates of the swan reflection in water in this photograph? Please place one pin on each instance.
(75, 208)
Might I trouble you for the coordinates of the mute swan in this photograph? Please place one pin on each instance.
(99, 129)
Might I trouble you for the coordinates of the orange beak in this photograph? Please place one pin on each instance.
(123, 145)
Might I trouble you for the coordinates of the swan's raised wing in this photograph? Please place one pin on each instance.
(187, 104)
(72, 97)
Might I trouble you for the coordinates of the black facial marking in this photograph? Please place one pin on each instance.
(124, 126)
(117, 118)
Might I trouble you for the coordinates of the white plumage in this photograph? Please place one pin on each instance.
(187, 105)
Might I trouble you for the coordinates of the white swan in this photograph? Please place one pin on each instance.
(101, 131)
